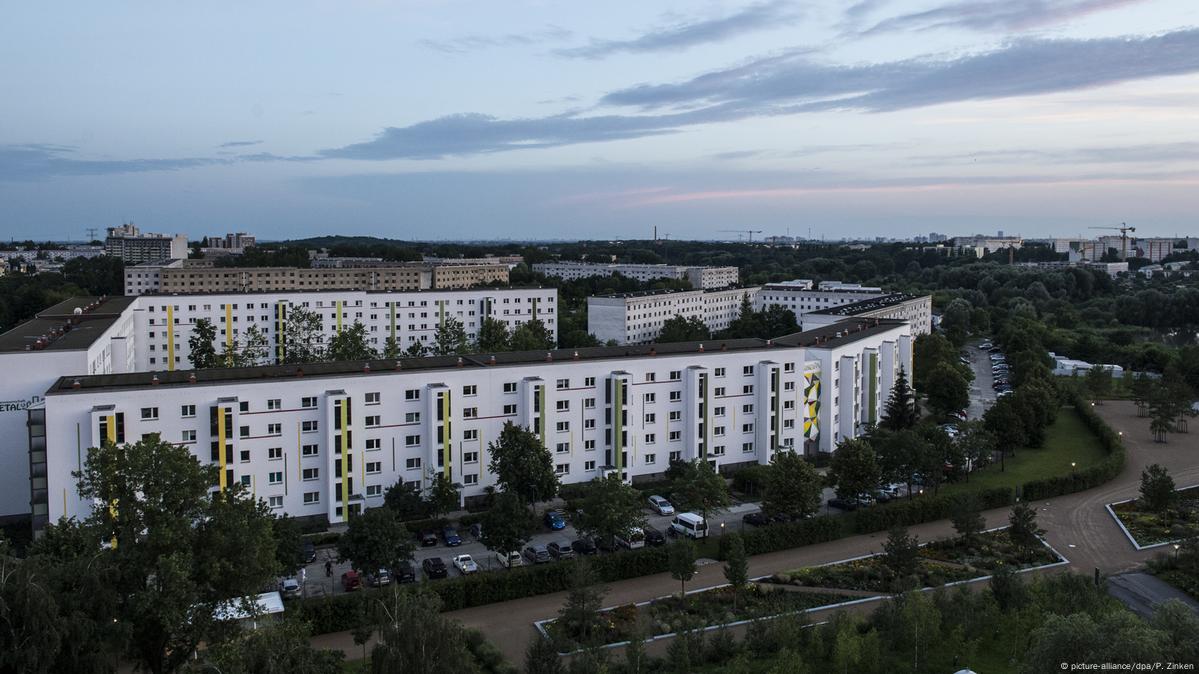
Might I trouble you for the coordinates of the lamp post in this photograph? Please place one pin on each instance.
(1072, 466)
(1176, 546)
(722, 529)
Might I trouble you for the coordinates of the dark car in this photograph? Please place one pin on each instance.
(584, 546)
(555, 519)
(380, 578)
(605, 544)
(653, 536)
(842, 504)
(427, 538)
(561, 550)
(452, 539)
(308, 550)
(758, 519)
(537, 554)
(476, 530)
(403, 573)
(434, 568)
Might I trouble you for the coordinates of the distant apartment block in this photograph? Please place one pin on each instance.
(637, 318)
(191, 276)
(916, 310)
(1112, 269)
(508, 260)
(229, 244)
(821, 304)
(134, 246)
(701, 278)
(982, 245)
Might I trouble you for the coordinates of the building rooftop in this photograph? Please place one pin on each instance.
(855, 308)
(59, 328)
(828, 336)
(665, 291)
(327, 291)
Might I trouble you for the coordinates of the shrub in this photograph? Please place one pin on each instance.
(751, 480)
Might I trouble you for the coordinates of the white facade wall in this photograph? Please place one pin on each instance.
(802, 300)
(728, 407)
(917, 311)
(637, 318)
(700, 277)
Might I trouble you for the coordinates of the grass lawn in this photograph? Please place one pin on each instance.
(1068, 439)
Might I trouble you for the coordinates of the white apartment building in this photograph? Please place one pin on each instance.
(132, 245)
(638, 317)
(699, 277)
(325, 440)
(801, 297)
(917, 310)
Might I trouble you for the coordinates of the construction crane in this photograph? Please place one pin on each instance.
(1124, 229)
(750, 232)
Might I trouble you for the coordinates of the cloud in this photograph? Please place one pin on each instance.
(38, 161)
(1148, 153)
(982, 15)
(791, 83)
(240, 143)
(682, 35)
(469, 43)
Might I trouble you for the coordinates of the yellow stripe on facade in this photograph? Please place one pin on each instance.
(228, 340)
(445, 436)
(345, 450)
(220, 438)
(170, 338)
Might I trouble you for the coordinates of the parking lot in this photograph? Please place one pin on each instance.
(982, 395)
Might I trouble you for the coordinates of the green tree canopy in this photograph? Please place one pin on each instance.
(201, 351)
(303, 336)
(855, 468)
(1157, 489)
(680, 329)
(682, 562)
(900, 411)
(793, 487)
(375, 539)
(698, 488)
(450, 338)
(522, 465)
(610, 508)
(532, 335)
(507, 524)
(415, 638)
(493, 335)
(351, 344)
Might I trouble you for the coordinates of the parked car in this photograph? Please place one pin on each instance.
(555, 520)
(537, 554)
(634, 540)
(584, 546)
(308, 550)
(510, 559)
(1002, 394)
(476, 530)
(434, 567)
(985, 345)
(290, 588)
(758, 519)
(466, 564)
(427, 538)
(350, 580)
(403, 573)
(380, 578)
(689, 525)
(881, 495)
(451, 537)
(843, 504)
(605, 544)
(654, 537)
(560, 550)
(661, 505)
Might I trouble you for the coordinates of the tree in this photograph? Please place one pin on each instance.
(682, 563)
(855, 468)
(303, 336)
(406, 501)
(948, 390)
(975, 444)
(793, 487)
(1099, 383)
(200, 551)
(901, 552)
(375, 539)
(31, 638)
(1007, 587)
(930, 350)
(1022, 526)
(442, 496)
(255, 347)
(270, 649)
(391, 348)
(1118, 636)
(635, 660)
(580, 616)
(416, 349)
(449, 338)
(955, 321)
(609, 508)
(736, 566)
(522, 465)
(680, 329)
(700, 488)
(493, 335)
(201, 351)
(289, 554)
(541, 657)
(900, 411)
(507, 524)
(1157, 489)
(968, 519)
(1142, 389)
(1007, 425)
(415, 638)
(748, 322)
(778, 321)
(350, 344)
(532, 335)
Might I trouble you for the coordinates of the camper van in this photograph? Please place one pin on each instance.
(689, 525)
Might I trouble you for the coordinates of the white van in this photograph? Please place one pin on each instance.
(634, 540)
(511, 559)
(690, 525)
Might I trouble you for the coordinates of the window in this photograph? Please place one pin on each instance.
(470, 479)
(747, 389)
(788, 404)
(509, 387)
(589, 381)
(411, 440)
(788, 386)
(149, 413)
(650, 398)
(275, 477)
(373, 443)
(746, 447)
(718, 411)
(244, 456)
(651, 376)
(562, 384)
(676, 455)
(676, 415)
(748, 370)
(412, 394)
(563, 426)
(412, 464)
(589, 444)
(312, 474)
(373, 490)
(588, 403)
(373, 421)
(562, 469)
(189, 436)
(308, 402)
(310, 450)
(470, 390)
(372, 398)
(650, 459)
(788, 367)
(563, 448)
(589, 466)
(243, 406)
(718, 431)
(470, 434)
(676, 375)
(650, 438)
(719, 372)
(274, 453)
(788, 423)
(309, 426)
(470, 412)
(274, 429)
(509, 409)
(675, 436)
(651, 418)
(747, 428)
(588, 424)
(718, 392)
(470, 457)
(676, 396)
(312, 497)
(563, 405)
(747, 409)
(275, 502)
(187, 411)
(274, 404)
(244, 431)
(374, 467)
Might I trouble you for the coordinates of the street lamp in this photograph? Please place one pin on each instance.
(1176, 546)
(722, 529)
(1072, 466)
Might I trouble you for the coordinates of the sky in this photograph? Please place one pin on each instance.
(542, 119)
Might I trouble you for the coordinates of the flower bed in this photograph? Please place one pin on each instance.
(1148, 529)
(667, 615)
(988, 551)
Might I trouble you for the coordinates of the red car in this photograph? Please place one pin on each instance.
(350, 580)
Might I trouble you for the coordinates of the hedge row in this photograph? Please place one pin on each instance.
(1104, 471)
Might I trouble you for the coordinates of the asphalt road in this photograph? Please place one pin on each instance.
(982, 395)
(1143, 593)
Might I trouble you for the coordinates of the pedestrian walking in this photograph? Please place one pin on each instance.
(329, 568)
